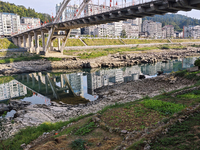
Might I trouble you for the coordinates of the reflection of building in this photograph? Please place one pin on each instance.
(76, 81)
(188, 62)
(12, 89)
(108, 77)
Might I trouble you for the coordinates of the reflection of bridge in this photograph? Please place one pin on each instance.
(132, 11)
(46, 85)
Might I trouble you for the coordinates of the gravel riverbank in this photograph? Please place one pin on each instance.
(33, 115)
(112, 60)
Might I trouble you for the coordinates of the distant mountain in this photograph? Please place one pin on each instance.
(22, 11)
(178, 21)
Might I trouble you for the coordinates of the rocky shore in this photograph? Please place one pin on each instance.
(33, 115)
(112, 60)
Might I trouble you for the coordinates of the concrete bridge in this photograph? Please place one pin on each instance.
(139, 10)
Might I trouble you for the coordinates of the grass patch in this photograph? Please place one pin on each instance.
(137, 41)
(97, 42)
(6, 79)
(166, 108)
(182, 136)
(86, 54)
(184, 40)
(131, 117)
(78, 144)
(6, 44)
(24, 135)
(86, 129)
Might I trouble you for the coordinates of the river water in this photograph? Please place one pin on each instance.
(79, 86)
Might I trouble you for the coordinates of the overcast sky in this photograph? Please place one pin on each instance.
(48, 6)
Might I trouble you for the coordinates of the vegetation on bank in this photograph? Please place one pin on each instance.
(6, 79)
(98, 42)
(145, 41)
(6, 44)
(184, 40)
(86, 54)
(10, 57)
(132, 116)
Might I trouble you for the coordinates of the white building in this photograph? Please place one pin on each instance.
(154, 29)
(9, 24)
(132, 30)
(191, 32)
(100, 30)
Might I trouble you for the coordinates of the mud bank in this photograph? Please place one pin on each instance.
(112, 60)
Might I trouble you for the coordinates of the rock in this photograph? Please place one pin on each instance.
(193, 69)
(23, 146)
(160, 73)
(147, 147)
(142, 77)
(124, 131)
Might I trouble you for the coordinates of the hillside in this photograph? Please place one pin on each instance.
(23, 11)
(174, 19)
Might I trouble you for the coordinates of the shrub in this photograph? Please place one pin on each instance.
(197, 62)
(86, 129)
(78, 144)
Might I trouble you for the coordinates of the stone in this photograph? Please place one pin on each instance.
(124, 131)
(193, 69)
(23, 146)
(142, 77)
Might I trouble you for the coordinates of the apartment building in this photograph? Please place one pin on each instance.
(168, 31)
(132, 30)
(9, 24)
(191, 31)
(154, 29)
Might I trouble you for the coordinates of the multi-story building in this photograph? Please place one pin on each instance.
(132, 30)
(168, 31)
(191, 31)
(100, 30)
(136, 21)
(29, 23)
(9, 24)
(154, 29)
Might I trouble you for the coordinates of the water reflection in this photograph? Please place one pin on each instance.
(78, 87)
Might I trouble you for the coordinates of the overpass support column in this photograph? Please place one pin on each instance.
(37, 48)
(51, 47)
(30, 38)
(43, 40)
(25, 40)
(58, 43)
(67, 33)
(14, 39)
(19, 42)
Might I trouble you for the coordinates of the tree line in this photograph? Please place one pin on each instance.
(23, 11)
(177, 20)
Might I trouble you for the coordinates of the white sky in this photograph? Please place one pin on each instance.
(48, 6)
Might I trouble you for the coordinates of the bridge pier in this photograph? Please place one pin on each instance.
(58, 43)
(25, 40)
(30, 38)
(67, 33)
(43, 40)
(20, 41)
(15, 40)
(37, 47)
